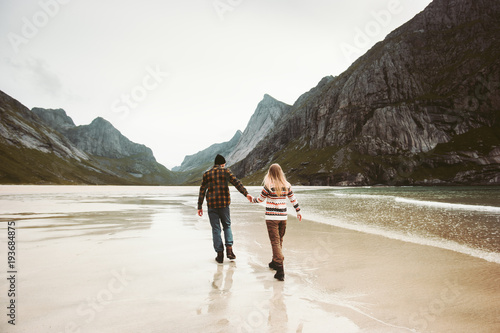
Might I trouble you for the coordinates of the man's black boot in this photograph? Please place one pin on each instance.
(220, 257)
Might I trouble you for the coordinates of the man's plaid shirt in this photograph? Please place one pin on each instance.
(215, 187)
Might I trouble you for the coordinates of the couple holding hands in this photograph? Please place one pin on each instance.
(275, 192)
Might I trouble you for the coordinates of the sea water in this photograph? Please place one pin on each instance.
(462, 219)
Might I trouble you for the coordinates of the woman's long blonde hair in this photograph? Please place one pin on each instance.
(276, 179)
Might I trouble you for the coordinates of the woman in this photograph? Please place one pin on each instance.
(276, 190)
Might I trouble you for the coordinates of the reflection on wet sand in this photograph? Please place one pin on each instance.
(219, 296)
(278, 315)
(90, 224)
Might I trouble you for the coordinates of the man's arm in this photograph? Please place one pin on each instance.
(237, 183)
(203, 191)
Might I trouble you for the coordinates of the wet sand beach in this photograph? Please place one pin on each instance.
(144, 262)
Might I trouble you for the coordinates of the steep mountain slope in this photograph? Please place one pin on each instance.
(55, 118)
(205, 158)
(36, 147)
(269, 112)
(420, 107)
(191, 170)
(99, 138)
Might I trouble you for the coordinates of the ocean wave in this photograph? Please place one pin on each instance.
(447, 205)
(363, 196)
(427, 203)
(410, 238)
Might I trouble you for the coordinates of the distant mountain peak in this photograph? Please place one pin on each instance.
(99, 138)
(205, 157)
(101, 122)
(267, 115)
(236, 136)
(268, 97)
(55, 118)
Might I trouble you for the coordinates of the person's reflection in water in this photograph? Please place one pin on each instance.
(278, 316)
(220, 293)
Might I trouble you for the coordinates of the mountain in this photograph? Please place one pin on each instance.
(205, 158)
(55, 118)
(44, 146)
(191, 170)
(268, 113)
(420, 107)
(99, 138)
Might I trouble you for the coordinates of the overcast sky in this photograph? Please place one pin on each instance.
(179, 76)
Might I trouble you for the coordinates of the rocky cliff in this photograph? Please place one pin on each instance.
(55, 118)
(20, 128)
(44, 146)
(420, 107)
(99, 138)
(268, 113)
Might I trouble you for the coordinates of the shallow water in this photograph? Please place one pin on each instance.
(463, 219)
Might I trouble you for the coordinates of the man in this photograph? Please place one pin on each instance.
(215, 187)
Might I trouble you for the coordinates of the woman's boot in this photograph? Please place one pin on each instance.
(280, 273)
(273, 265)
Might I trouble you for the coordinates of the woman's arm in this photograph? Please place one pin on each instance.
(262, 197)
(295, 203)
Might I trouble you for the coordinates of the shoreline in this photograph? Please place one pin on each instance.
(150, 267)
(397, 285)
(441, 244)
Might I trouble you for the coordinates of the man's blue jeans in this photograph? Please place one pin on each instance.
(217, 217)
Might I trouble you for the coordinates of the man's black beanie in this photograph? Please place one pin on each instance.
(219, 160)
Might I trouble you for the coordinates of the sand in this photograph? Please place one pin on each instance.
(153, 270)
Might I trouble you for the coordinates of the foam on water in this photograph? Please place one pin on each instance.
(427, 203)
(447, 205)
(435, 242)
(362, 196)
